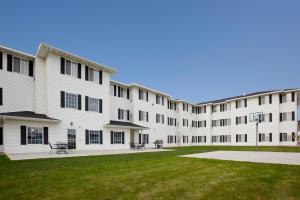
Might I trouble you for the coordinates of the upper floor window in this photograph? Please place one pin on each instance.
(201, 109)
(261, 100)
(282, 98)
(123, 114)
(241, 120)
(172, 105)
(93, 75)
(214, 109)
(69, 100)
(160, 100)
(185, 122)
(224, 107)
(172, 121)
(287, 116)
(240, 103)
(121, 92)
(70, 68)
(160, 118)
(143, 95)
(143, 116)
(185, 107)
(19, 65)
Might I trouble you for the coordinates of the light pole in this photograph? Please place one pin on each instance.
(256, 134)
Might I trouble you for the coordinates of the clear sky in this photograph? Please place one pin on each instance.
(193, 50)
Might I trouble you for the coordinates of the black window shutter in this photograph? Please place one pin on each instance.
(140, 138)
(100, 105)
(86, 73)
(280, 117)
(30, 68)
(123, 139)
(111, 137)
(79, 71)
(140, 115)
(1, 60)
(100, 77)
(236, 104)
(1, 96)
(101, 137)
(23, 135)
(86, 103)
(293, 116)
(115, 90)
(270, 99)
(87, 137)
(119, 93)
(245, 137)
(46, 135)
(147, 96)
(127, 93)
(62, 65)
(236, 120)
(280, 137)
(147, 116)
(119, 115)
(79, 101)
(293, 96)
(236, 138)
(259, 100)
(128, 115)
(1, 136)
(245, 102)
(246, 119)
(270, 117)
(280, 98)
(259, 137)
(9, 63)
(270, 137)
(62, 99)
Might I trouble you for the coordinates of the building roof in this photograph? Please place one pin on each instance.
(25, 115)
(125, 125)
(248, 95)
(45, 49)
(16, 52)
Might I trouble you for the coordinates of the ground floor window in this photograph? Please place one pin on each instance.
(71, 139)
(287, 137)
(171, 139)
(221, 138)
(117, 137)
(34, 135)
(94, 137)
(185, 139)
(143, 138)
(265, 137)
(241, 138)
(198, 139)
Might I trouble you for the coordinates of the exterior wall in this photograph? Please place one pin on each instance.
(17, 90)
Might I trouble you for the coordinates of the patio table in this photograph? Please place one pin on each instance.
(61, 148)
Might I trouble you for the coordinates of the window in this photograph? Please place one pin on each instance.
(224, 107)
(185, 139)
(185, 122)
(261, 100)
(171, 105)
(71, 100)
(221, 138)
(185, 107)
(93, 75)
(143, 138)
(160, 100)
(287, 116)
(21, 66)
(214, 109)
(282, 98)
(238, 104)
(143, 116)
(123, 114)
(171, 121)
(160, 118)
(71, 68)
(93, 104)
(117, 138)
(241, 120)
(171, 139)
(143, 95)
(241, 138)
(94, 137)
(34, 135)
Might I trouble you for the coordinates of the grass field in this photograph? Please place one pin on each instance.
(161, 175)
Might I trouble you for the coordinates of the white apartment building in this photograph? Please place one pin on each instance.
(55, 96)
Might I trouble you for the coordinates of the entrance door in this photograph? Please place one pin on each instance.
(71, 139)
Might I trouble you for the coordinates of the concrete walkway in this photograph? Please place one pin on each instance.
(28, 156)
(251, 156)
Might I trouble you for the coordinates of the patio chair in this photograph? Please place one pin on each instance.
(52, 148)
(142, 146)
(132, 146)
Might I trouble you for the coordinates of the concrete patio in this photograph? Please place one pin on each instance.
(28, 156)
(251, 156)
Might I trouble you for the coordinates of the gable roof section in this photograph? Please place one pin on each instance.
(27, 115)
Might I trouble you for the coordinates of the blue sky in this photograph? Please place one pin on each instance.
(193, 50)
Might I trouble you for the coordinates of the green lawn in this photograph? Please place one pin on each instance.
(161, 175)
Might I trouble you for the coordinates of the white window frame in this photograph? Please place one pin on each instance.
(69, 103)
(24, 66)
(117, 137)
(30, 141)
(92, 139)
(93, 104)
